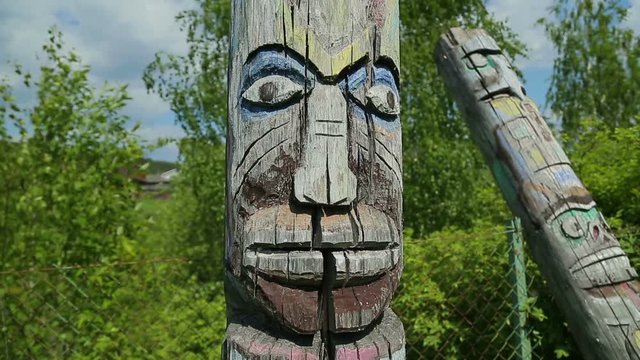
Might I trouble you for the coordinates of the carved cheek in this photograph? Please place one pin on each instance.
(387, 167)
(264, 155)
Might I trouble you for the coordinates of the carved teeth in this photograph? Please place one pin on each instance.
(363, 265)
(605, 267)
(306, 267)
(593, 259)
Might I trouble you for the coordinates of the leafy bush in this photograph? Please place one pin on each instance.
(455, 298)
(66, 194)
(156, 311)
(608, 162)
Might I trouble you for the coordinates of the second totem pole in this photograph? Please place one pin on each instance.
(587, 271)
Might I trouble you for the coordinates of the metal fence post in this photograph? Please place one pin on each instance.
(519, 295)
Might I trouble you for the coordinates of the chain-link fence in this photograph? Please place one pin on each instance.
(477, 288)
(140, 310)
(463, 296)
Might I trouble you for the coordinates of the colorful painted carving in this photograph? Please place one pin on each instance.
(587, 271)
(314, 180)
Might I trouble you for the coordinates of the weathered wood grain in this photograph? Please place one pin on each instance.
(588, 273)
(247, 340)
(314, 179)
(385, 341)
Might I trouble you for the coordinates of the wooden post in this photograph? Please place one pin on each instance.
(314, 180)
(588, 273)
(519, 296)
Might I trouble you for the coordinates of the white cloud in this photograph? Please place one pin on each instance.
(150, 134)
(633, 19)
(117, 38)
(145, 105)
(166, 153)
(521, 16)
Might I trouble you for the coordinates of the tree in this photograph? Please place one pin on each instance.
(67, 197)
(195, 86)
(596, 73)
(446, 183)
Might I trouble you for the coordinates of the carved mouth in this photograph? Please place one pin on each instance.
(306, 268)
(322, 269)
(293, 248)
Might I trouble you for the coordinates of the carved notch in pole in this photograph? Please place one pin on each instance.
(314, 180)
(588, 273)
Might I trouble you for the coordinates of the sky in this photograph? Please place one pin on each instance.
(118, 38)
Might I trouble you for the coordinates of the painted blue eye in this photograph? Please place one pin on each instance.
(272, 90)
(384, 100)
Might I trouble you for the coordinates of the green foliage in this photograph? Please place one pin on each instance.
(597, 71)
(66, 197)
(120, 312)
(194, 84)
(195, 225)
(608, 163)
(455, 297)
(195, 87)
(550, 333)
(446, 181)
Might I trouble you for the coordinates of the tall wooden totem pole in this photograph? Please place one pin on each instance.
(588, 273)
(314, 180)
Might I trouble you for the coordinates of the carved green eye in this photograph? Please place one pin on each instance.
(383, 99)
(272, 90)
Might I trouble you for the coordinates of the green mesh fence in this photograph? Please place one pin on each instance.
(477, 292)
(462, 297)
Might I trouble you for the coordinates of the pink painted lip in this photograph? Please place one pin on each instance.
(299, 308)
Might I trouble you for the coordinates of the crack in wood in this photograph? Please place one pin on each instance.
(329, 276)
(395, 174)
(395, 158)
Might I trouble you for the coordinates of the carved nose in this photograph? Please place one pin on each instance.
(324, 177)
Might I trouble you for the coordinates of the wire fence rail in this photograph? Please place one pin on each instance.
(453, 306)
(480, 306)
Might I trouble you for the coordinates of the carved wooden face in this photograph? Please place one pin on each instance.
(549, 188)
(314, 171)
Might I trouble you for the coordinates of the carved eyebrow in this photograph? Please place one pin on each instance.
(276, 49)
(269, 62)
(279, 60)
(346, 71)
(276, 59)
(388, 64)
(384, 70)
(356, 78)
(384, 75)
